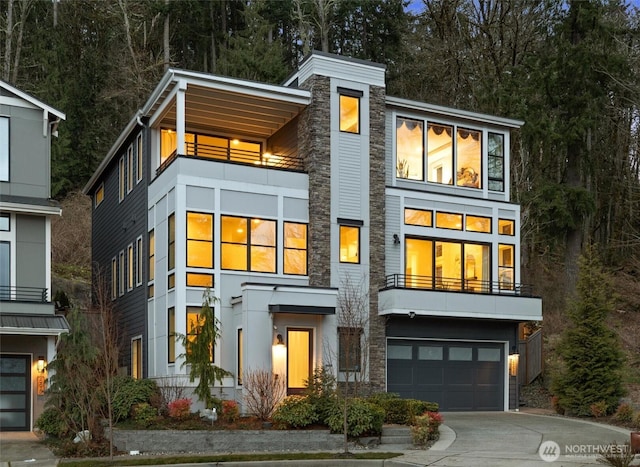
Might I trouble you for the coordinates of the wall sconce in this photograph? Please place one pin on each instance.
(41, 364)
(280, 340)
(514, 361)
(396, 239)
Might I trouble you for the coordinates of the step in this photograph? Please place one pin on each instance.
(396, 435)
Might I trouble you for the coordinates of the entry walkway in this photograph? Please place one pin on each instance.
(24, 448)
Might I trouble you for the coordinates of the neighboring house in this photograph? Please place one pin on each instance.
(282, 199)
(29, 327)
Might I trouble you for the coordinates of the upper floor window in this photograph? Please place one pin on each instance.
(195, 324)
(171, 334)
(446, 220)
(506, 268)
(5, 222)
(199, 240)
(495, 148)
(121, 179)
(5, 269)
(506, 227)
(171, 252)
(152, 254)
(130, 168)
(130, 264)
(248, 244)
(418, 217)
(121, 274)
(349, 241)
(139, 156)
(211, 147)
(139, 261)
(440, 153)
(478, 224)
(350, 110)
(469, 158)
(409, 148)
(114, 278)
(4, 149)
(99, 195)
(295, 248)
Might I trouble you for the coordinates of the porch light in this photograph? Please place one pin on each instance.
(514, 360)
(280, 340)
(41, 365)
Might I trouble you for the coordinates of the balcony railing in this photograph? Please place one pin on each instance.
(238, 156)
(23, 294)
(453, 284)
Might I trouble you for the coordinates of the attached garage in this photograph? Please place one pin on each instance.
(458, 375)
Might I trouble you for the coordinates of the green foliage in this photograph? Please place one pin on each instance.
(321, 392)
(144, 414)
(230, 411)
(51, 423)
(180, 409)
(363, 417)
(425, 428)
(294, 412)
(591, 355)
(617, 455)
(127, 392)
(401, 411)
(624, 413)
(636, 421)
(599, 409)
(199, 350)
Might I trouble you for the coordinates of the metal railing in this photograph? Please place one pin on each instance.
(23, 294)
(238, 156)
(456, 284)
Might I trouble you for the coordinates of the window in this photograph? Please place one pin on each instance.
(440, 153)
(210, 147)
(195, 279)
(139, 261)
(418, 217)
(130, 169)
(478, 224)
(495, 149)
(469, 158)
(461, 354)
(349, 345)
(409, 149)
(506, 266)
(295, 248)
(194, 327)
(199, 240)
(240, 356)
(139, 155)
(5, 270)
(349, 110)
(99, 196)
(5, 222)
(349, 244)
(168, 144)
(130, 265)
(171, 334)
(171, 260)
(114, 278)
(506, 227)
(248, 244)
(121, 181)
(418, 262)
(121, 274)
(445, 220)
(136, 358)
(4, 149)
(152, 261)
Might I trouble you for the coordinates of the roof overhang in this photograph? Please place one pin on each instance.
(26, 205)
(33, 324)
(50, 111)
(305, 310)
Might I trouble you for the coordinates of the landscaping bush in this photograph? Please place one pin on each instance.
(230, 411)
(636, 421)
(180, 409)
(401, 411)
(145, 414)
(363, 417)
(624, 414)
(128, 392)
(599, 409)
(426, 428)
(321, 392)
(50, 422)
(294, 412)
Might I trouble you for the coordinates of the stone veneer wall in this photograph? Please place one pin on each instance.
(377, 332)
(314, 145)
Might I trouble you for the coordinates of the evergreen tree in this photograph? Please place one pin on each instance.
(199, 346)
(591, 355)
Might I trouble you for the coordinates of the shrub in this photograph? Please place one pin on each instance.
(262, 392)
(555, 403)
(426, 428)
(401, 411)
(230, 411)
(128, 392)
(362, 418)
(180, 409)
(50, 422)
(321, 392)
(144, 414)
(624, 414)
(636, 421)
(599, 409)
(294, 412)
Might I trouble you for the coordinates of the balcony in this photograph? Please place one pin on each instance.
(454, 297)
(25, 300)
(235, 156)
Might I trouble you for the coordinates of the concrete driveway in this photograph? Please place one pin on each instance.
(508, 439)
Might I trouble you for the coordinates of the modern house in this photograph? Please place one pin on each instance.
(29, 327)
(318, 210)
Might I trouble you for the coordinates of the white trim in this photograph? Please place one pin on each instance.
(31, 100)
(139, 260)
(30, 209)
(32, 331)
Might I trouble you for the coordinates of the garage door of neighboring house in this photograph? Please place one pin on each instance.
(458, 376)
(15, 381)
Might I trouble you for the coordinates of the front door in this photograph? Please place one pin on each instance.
(15, 396)
(299, 359)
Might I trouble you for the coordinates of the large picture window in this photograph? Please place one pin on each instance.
(248, 244)
(409, 149)
(506, 261)
(469, 158)
(4, 149)
(295, 248)
(194, 327)
(440, 153)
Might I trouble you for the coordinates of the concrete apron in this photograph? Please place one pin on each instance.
(24, 448)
